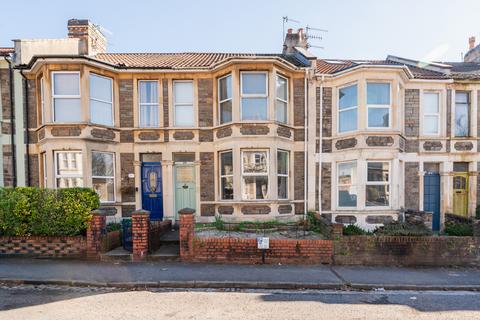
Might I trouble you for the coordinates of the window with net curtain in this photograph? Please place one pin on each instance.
(225, 99)
(101, 100)
(226, 175)
(68, 169)
(378, 184)
(282, 174)
(431, 113)
(103, 177)
(281, 100)
(183, 103)
(148, 94)
(347, 108)
(378, 105)
(254, 175)
(66, 97)
(462, 114)
(254, 96)
(347, 184)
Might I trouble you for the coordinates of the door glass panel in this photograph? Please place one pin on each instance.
(460, 166)
(151, 157)
(184, 157)
(459, 183)
(185, 174)
(431, 167)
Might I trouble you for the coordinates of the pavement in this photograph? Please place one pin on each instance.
(196, 275)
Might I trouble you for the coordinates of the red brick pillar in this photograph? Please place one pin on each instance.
(187, 232)
(140, 228)
(337, 231)
(95, 233)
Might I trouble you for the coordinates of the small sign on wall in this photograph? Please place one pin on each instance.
(263, 243)
(131, 175)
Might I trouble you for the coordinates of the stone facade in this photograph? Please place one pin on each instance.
(205, 135)
(183, 135)
(346, 219)
(432, 146)
(412, 186)
(379, 141)
(105, 134)
(299, 102)
(126, 102)
(225, 210)
(463, 146)
(412, 112)
(326, 192)
(33, 167)
(299, 175)
(127, 184)
(255, 209)
(284, 208)
(205, 102)
(327, 112)
(207, 210)
(345, 143)
(207, 177)
(8, 176)
(224, 132)
(166, 116)
(126, 136)
(149, 135)
(66, 131)
(284, 132)
(254, 130)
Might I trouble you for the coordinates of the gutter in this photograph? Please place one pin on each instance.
(27, 137)
(12, 123)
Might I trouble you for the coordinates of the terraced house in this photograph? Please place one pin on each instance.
(246, 136)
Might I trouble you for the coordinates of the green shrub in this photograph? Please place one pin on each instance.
(45, 212)
(354, 230)
(396, 228)
(459, 229)
(114, 226)
(477, 212)
(219, 224)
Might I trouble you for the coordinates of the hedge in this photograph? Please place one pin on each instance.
(26, 211)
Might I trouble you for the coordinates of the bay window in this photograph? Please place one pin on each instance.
(183, 104)
(378, 105)
(101, 100)
(226, 175)
(42, 101)
(281, 99)
(103, 175)
(254, 95)
(462, 114)
(68, 169)
(347, 108)
(378, 184)
(254, 175)
(225, 99)
(282, 174)
(431, 113)
(347, 184)
(66, 97)
(148, 100)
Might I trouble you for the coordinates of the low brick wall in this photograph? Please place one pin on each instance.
(239, 250)
(48, 247)
(407, 251)
(111, 241)
(157, 229)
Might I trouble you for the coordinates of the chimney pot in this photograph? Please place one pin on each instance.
(300, 30)
(290, 30)
(471, 42)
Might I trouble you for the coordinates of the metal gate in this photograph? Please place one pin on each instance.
(431, 197)
(127, 238)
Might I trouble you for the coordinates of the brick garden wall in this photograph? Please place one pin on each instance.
(53, 247)
(156, 230)
(407, 251)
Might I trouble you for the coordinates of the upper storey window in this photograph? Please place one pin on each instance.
(281, 101)
(431, 113)
(66, 97)
(378, 105)
(347, 108)
(254, 96)
(148, 92)
(183, 103)
(101, 100)
(225, 98)
(462, 114)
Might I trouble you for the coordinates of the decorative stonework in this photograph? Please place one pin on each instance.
(412, 146)
(463, 146)
(284, 208)
(126, 136)
(378, 219)
(345, 143)
(379, 141)
(41, 134)
(207, 210)
(412, 186)
(106, 134)
(256, 209)
(224, 132)
(284, 132)
(259, 130)
(432, 146)
(225, 210)
(71, 131)
(401, 144)
(183, 135)
(205, 136)
(346, 219)
(149, 135)
(326, 145)
(299, 135)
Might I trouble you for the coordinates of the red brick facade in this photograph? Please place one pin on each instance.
(95, 234)
(140, 229)
(51, 247)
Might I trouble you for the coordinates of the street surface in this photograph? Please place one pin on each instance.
(61, 302)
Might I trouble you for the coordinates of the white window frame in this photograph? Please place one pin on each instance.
(224, 100)
(469, 105)
(156, 104)
(346, 109)
(225, 175)
(281, 100)
(80, 175)
(102, 101)
(55, 96)
(345, 184)
(43, 159)
(106, 177)
(379, 106)
(287, 175)
(250, 174)
(175, 104)
(42, 100)
(249, 95)
(379, 183)
(426, 114)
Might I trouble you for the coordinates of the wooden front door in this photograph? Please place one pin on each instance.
(460, 193)
(152, 196)
(184, 187)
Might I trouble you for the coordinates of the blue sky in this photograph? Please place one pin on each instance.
(368, 29)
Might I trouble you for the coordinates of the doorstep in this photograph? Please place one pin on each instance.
(117, 254)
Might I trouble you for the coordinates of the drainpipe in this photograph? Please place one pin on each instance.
(12, 123)
(305, 151)
(320, 147)
(27, 138)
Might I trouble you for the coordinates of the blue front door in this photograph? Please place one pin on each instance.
(152, 197)
(431, 197)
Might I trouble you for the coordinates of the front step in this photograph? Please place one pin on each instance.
(167, 251)
(117, 254)
(170, 237)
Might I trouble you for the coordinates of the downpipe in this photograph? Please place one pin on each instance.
(12, 123)
(27, 136)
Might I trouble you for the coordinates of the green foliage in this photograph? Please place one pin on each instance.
(354, 230)
(114, 226)
(459, 229)
(219, 224)
(396, 228)
(477, 212)
(44, 212)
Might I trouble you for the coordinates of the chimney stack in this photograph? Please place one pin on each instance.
(471, 43)
(293, 40)
(92, 40)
